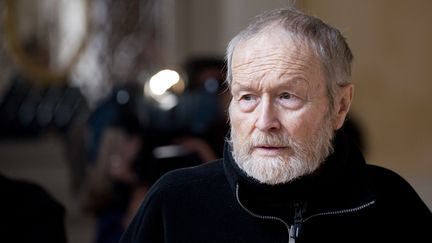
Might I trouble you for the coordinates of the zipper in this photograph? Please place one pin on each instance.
(349, 210)
(294, 231)
(289, 229)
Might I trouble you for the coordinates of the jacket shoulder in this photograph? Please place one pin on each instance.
(386, 180)
(394, 191)
(173, 193)
(381, 172)
(189, 176)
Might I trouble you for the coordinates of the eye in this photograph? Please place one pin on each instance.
(287, 96)
(246, 97)
(290, 100)
(247, 101)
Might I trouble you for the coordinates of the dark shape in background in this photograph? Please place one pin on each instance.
(29, 109)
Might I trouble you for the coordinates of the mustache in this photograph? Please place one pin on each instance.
(268, 139)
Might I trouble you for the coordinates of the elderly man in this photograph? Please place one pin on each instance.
(289, 173)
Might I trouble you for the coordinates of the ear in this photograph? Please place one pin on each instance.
(342, 105)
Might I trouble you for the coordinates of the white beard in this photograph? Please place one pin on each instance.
(305, 157)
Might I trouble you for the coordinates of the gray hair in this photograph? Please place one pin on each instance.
(325, 41)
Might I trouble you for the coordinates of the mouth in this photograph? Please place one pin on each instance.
(270, 150)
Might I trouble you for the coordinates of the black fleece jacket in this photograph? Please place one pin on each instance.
(345, 200)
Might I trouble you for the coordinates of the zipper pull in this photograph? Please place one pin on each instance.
(296, 228)
(291, 235)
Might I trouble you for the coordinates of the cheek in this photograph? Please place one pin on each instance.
(241, 123)
(302, 125)
(295, 126)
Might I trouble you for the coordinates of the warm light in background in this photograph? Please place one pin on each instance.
(163, 80)
(164, 87)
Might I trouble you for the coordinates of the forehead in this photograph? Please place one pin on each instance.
(275, 55)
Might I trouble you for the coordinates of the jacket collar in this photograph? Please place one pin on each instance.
(340, 182)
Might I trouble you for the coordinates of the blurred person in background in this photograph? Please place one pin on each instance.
(289, 173)
(206, 75)
(113, 148)
(120, 162)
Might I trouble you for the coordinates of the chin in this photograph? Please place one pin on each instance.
(276, 170)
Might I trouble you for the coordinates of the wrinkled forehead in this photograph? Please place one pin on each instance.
(279, 38)
(271, 44)
(274, 53)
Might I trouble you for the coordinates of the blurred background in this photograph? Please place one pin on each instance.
(98, 98)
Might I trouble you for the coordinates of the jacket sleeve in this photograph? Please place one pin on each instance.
(147, 225)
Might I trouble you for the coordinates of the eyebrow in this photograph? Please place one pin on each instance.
(293, 78)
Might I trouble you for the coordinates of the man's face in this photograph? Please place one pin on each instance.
(281, 125)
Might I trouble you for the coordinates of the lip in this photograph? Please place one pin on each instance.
(268, 150)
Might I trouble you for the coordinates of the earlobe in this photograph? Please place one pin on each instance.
(342, 105)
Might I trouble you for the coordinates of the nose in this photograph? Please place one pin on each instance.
(268, 117)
